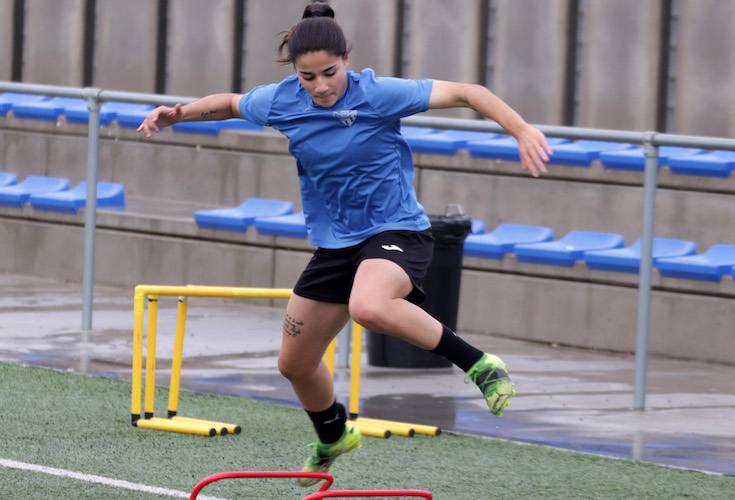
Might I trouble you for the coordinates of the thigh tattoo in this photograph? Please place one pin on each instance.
(292, 327)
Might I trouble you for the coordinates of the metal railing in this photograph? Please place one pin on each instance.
(650, 141)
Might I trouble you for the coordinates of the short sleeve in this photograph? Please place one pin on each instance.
(395, 97)
(256, 104)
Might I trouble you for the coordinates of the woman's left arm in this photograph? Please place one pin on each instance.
(532, 146)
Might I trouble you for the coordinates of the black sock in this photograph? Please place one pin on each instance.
(456, 350)
(329, 423)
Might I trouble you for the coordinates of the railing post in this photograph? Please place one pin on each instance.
(644, 285)
(90, 218)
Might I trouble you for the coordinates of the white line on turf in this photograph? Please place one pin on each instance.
(115, 483)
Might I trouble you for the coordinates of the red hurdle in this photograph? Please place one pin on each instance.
(327, 478)
(368, 493)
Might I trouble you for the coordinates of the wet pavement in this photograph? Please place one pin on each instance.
(568, 398)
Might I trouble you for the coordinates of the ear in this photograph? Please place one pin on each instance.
(346, 60)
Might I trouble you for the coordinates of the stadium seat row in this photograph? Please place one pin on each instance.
(53, 193)
(604, 251)
(612, 155)
(531, 244)
(269, 217)
(126, 115)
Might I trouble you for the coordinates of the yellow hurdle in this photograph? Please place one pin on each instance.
(174, 422)
(355, 361)
(395, 428)
(136, 380)
(150, 360)
(178, 355)
(329, 357)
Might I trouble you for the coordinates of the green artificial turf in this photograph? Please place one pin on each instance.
(82, 424)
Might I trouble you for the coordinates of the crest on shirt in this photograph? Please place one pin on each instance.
(346, 117)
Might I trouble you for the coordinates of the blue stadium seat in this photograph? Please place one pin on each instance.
(207, 128)
(445, 142)
(582, 153)
(7, 100)
(634, 159)
(239, 124)
(628, 260)
(76, 111)
(291, 226)
(503, 147)
(127, 115)
(408, 131)
(5, 106)
(109, 195)
(478, 226)
(709, 266)
(503, 239)
(17, 195)
(241, 217)
(712, 164)
(569, 249)
(8, 179)
(47, 109)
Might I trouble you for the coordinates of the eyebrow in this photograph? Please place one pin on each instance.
(323, 71)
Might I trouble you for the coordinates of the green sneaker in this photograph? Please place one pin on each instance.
(491, 376)
(323, 455)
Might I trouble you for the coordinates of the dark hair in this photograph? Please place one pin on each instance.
(316, 31)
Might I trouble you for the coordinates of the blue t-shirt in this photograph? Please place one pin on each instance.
(355, 169)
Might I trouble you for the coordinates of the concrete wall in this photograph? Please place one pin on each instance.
(53, 42)
(371, 28)
(127, 259)
(264, 22)
(565, 205)
(199, 56)
(705, 69)
(125, 45)
(595, 316)
(435, 48)
(529, 64)
(6, 39)
(619, 64)
(619, 51)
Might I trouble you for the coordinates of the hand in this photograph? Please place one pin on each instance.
(533, 149)
(162, 116)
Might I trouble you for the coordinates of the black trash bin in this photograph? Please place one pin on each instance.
(441, 285)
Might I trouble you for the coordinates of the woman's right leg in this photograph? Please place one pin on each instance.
(308, 328)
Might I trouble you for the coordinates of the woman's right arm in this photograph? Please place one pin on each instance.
(212, 107)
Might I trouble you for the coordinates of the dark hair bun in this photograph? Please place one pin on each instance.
(318, 9)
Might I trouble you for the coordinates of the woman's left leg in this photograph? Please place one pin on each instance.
(377, 303)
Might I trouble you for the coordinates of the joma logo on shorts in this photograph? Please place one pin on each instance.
(391, 247)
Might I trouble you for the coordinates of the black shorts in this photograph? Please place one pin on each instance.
(329, 275)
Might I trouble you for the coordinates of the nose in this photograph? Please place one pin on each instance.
(321, 86)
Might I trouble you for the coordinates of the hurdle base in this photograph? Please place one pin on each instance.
(397, 428)
(164, 424)
(222, 428)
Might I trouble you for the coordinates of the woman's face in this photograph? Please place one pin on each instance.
(323, 75)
